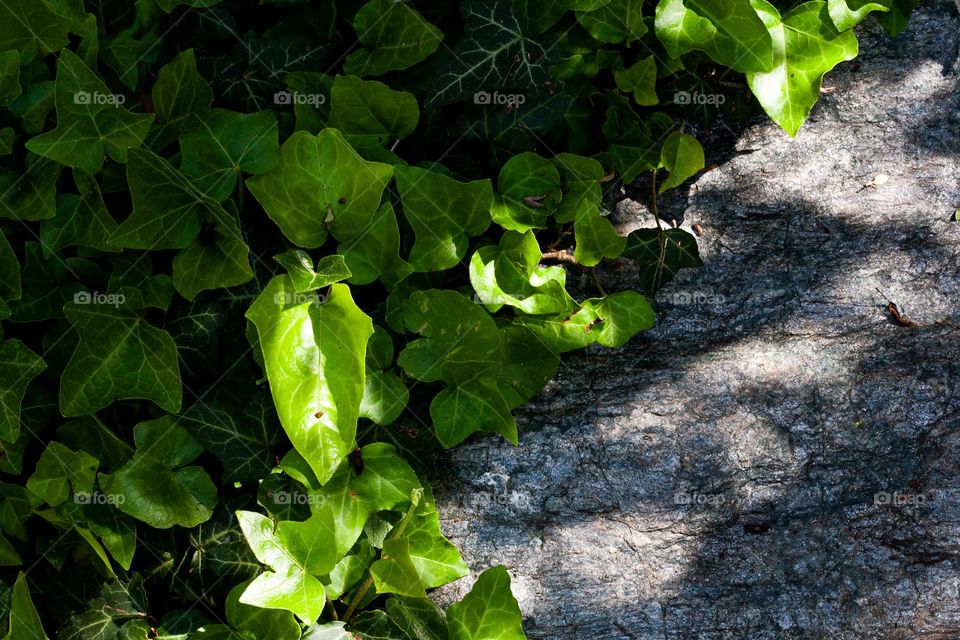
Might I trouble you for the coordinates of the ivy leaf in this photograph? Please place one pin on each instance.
(596, 237)
(580, 182)
(9, 271)
(349, 499)
(419, 618)
(305, 277)
(897, 18)
(659, 255)
(528, 190)
(320, 182)
(807, 46)
(640, 80)
(242, 431)
(179, 93)
(223, 144)
(43, 298)
(168, 209)
(59, 470)
(297, 553)
(621, 316)
(156, 486)
(370, 114)
(510, 274)
(314, 354)
(215, 259)
(444, 214)
(847, 14)
(634, 144)
(488, 611)
(375, 251)
(615, 21)
(375, 625)
(30, 195)
(396, 37)
(435, 560)
(91, 121)
(456, 334)
(384, 397)
(495, 54)
(469, 407)
(9, 77)
(682, 156)
(120, 356)
(395, 572)
(260, 623)
(729, 31)
(81, 219)
(24, 620)
(18, 366)
(527, 365)
(32, 27)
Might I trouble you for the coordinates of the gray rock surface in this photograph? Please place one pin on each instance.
(777, 459)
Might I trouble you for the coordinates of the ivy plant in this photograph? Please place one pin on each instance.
(262, 263)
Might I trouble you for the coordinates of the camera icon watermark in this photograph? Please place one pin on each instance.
(287, 98)
(699, 99)
(297, 498)
(84, 497)
(96, 98)
(695, 497)
(497, 98)
(295, 298)
(898, 499)
(112, 299)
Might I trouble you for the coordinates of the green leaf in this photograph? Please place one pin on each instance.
(528, 191)
(616, 21)
(660, 254)
(729, 31)
(305, 277)
(59, 470)
(314, 355)
(395, 35)
(370, 114)
(395, 572)
(297, 553)
(469, 407)
(806, 46)
(495, 54)
(527, 365)
(156, 486)
(683, 157)
(241, 430)
(350, 498)
(81, 219)
(178, 93)
(9, 77)
(32, 27)
(9, 271)
(419, 618)
(375, 251)
(510, 274)
(25, 623)
(30, 195)
(91, 120)
(260, 623)
(444, 214)
(18, 366)
(621, 316)
(43, 297)
(640, 80)
(120, 356)
(223, 144)
(168, 209)
(320, 183)
(375, 625)
(456, 334)
(596, 237)
(897, 18)
(384, 397)
(488, 612)
(216, 259)
(435, 560)
(847, 14)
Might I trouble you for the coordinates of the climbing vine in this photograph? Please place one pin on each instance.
(261, 263)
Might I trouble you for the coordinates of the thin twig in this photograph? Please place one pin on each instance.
(564, 256)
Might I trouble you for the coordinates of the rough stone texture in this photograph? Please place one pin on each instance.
(775, 396)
